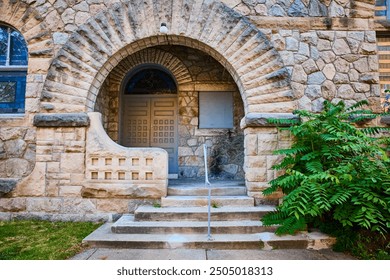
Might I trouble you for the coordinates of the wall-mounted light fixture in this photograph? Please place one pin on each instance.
(163, 28)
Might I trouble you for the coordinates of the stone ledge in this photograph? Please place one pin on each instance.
(261, 119)
(61, 120)
(7, 185)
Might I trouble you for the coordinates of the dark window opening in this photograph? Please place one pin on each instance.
(151, 81)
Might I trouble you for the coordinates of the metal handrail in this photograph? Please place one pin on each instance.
(208, 185)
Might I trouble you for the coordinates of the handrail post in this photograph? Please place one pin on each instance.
(208, 185)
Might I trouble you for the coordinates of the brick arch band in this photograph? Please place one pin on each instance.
(98, 46)
(150, 56)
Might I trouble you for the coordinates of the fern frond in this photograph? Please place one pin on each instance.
(358, 104)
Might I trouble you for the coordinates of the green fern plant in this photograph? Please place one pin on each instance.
(333, 170)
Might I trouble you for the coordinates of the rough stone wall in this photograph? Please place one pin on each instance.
(17, 151)
(331, 65)
(328, 52)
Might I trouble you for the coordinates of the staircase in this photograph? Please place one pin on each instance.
(181, 222)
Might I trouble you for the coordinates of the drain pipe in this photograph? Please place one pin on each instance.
(208, 185)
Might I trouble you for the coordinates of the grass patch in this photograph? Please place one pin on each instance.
(42, 240)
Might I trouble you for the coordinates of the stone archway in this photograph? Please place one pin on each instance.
(90, 54)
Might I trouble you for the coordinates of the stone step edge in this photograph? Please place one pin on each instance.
(103, 237)
(204, 209)
(128, 220)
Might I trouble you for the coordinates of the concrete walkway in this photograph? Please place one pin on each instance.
(202, 254)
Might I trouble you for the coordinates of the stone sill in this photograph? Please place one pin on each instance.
(12, 116)
(61, 120)
(261, 119)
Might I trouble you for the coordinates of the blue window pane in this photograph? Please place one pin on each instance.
(7, 92)
(3, 44)
(12, 92)
(18, 49)
(380, 13)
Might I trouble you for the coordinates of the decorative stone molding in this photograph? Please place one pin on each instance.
(61, 120)
(261, 120)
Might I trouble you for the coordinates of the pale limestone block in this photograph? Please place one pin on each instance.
(361, 65)
(255, 161)
(12, 133)
(361, 87)
(251, 144)
(266, 147)
(81, 18)
(274, 196)
(112, 205)
(39, 65)
(345, 91)
(329, 90)
(342, 65)
(48, 205)
(17, 204)
(324, 45)
(299, 75)
(70, 191)
(341, 47)
(271, 174)
(256, 174)
(72, 162)
(141, 189)
(78, 206)
(272, 160)
(256, 186)
(328, 56)
(34, 184)
(68, 16)
(310, 66)
(17, 167)
(285, 135)
(329, 71)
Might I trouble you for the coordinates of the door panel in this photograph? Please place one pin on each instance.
(136, 122)
(164, 127)
(151, 122)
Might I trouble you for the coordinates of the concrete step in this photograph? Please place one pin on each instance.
(127, 224)
(203, 191)
(218, 201)
(104, 237)
(224, 213)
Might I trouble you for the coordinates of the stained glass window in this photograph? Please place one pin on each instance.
(13, 70)
(151, 81)
(8, 90)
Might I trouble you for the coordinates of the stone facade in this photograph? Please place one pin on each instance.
(275, 56)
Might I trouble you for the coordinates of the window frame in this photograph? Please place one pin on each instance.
(203, 113)
(14, 73)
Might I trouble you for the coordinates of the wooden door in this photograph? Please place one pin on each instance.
(151, 122)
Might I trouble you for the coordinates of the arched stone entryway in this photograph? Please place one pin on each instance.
(92, 52)
(196, 74)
